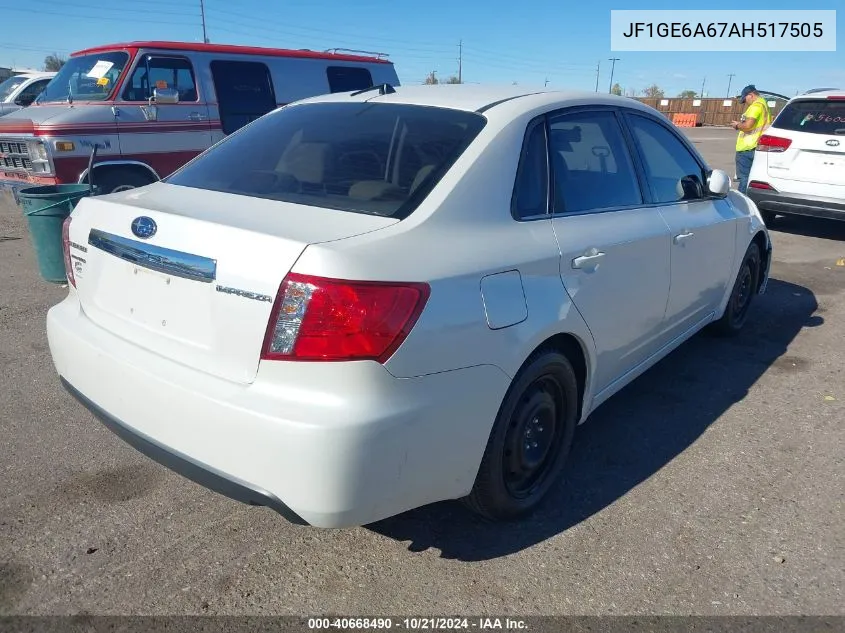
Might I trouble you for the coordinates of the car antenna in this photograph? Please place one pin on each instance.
(383, 89)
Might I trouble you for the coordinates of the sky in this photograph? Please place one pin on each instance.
(538, 42)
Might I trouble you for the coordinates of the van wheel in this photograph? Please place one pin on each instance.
(530, 440)
(742, 295)
(115, 180)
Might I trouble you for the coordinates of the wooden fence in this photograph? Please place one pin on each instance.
(710, 111)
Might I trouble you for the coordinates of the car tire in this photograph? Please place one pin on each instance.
(115, 180)
(530, 440)
(742, 294)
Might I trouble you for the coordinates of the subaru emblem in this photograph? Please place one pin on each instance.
(833, 142)
(144, 227)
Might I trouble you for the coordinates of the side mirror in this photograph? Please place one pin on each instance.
(165, 96)
(719, 183)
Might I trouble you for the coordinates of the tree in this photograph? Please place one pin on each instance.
(616, 90)
(687, 94)
(653, 91)
(53, 63)
(453, 80)
(431, 79)
(631, 93)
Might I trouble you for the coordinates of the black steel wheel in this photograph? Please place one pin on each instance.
(530, 440)
(743, 293)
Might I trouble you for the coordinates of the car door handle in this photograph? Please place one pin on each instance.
(588, 260)
(196, 116)
(680, 238)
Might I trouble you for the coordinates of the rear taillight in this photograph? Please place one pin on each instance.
(768, 143)
(321, 319)
(66, 250)
(836, 98)
(756, 184)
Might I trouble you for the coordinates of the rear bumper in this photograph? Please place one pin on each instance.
(798, 204)
(189, 468)
(324, 444)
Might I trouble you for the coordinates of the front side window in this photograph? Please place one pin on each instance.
(375, 158)
(591, 164)
(161, 73)
(86, 78)
(28, 94)
(815, 116)
(672, 171)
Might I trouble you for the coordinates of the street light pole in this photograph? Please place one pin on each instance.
(730, 79)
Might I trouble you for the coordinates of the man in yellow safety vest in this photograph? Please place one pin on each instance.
(751, 126)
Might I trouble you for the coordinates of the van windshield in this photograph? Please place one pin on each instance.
(86, 78)
(375, 158)
(817, 116)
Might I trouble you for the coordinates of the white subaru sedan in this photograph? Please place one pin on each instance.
(364, 303)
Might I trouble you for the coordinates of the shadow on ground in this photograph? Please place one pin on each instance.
(630, 437)
(809, 227)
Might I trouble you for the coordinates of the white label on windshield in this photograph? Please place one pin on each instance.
(100, 69)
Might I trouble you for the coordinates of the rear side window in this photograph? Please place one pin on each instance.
(244, 92)
(530, 196)
(815, 116)
(591, 164)
(375, 158)
(164, 73)
(348, 78)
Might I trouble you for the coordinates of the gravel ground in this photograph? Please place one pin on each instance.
(712, 485)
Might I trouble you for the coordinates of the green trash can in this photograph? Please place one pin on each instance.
(45, 209)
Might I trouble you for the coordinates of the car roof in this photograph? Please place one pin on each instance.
(821, 93)
(221, 49)
(478, 98)
(35, 74)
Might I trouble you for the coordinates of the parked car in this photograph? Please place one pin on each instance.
(150, 107)
(799, 165)
(19, 91)
(363, 303)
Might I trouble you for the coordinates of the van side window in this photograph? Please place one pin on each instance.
(348, 78)
(165, 72)
(244, 92)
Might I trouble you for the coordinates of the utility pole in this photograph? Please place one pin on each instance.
(613, 61)
(202, 12)
(460, 60)
(730, 78)
(547, 82)
(598, 68)
(702, 86)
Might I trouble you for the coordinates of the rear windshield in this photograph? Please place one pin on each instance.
(380, 159)
(813, 115)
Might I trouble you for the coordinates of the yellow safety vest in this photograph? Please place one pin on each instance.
(758, 110)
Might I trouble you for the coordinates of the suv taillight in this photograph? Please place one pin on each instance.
(319, 319)
(66, 250)
(768, 143)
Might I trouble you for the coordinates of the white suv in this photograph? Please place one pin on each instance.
(799, 166)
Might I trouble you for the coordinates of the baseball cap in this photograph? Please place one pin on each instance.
(746, 91)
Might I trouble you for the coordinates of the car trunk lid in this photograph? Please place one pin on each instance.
(198, 290)
(815, 129)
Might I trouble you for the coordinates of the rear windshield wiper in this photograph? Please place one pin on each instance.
(383, 89)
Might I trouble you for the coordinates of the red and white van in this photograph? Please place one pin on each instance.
(150, 107)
